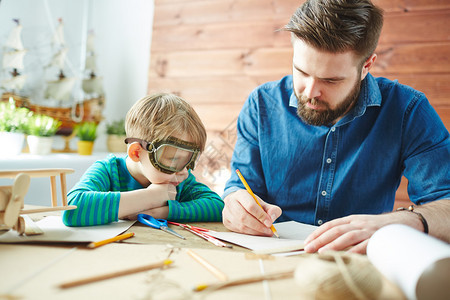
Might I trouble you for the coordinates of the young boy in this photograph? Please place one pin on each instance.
(165, 137)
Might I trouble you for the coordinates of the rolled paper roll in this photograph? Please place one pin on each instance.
(418, 263)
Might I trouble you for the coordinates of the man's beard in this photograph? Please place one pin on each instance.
(327, 116)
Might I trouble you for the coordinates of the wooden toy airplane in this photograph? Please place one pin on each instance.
(12, 197)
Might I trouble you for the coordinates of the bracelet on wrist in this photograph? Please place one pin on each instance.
(421, 217)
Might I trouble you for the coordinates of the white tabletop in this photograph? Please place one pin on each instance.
(39, 191)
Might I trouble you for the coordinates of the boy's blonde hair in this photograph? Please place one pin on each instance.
(158, 116)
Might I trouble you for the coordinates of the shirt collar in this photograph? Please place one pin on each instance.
(370, 93)
(368, 96)
(293, 100)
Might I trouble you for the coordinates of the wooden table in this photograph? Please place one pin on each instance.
(34, 271)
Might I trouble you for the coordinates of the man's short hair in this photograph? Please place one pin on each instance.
(338, 25)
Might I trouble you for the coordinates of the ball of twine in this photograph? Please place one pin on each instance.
(338, 275)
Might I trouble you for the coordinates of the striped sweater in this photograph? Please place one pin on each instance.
(97, 196)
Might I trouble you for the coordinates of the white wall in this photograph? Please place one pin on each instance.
(123, 38)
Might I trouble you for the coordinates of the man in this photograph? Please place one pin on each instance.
(329, 144)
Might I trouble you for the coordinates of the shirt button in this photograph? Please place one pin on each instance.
(333, 129)
(324, 193)
(319, 222)
(329, 160)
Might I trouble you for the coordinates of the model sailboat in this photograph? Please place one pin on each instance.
(59, 89)
(12, 62)
(93, 85)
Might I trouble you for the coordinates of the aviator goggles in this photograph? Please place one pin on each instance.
(171, 155)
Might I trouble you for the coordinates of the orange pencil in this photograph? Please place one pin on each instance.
(114, 239)
(249, 190)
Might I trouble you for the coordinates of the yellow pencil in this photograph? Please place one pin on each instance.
(249, 190)
(252, 279)
(114, 239)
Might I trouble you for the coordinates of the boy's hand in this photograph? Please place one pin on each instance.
(162, 192)
(154, 196)
(158, 212)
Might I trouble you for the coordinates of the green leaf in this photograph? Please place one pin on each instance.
(12, 118)
(86, 131)
(116, 127)
(42, 125)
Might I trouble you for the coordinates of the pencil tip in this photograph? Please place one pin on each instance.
(200, 287)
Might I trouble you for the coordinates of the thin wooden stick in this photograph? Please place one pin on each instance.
(273, 276)
(47, 209)
(62, 177)
(219, 274)
(160, 264)
(35, 172)
(53, 191)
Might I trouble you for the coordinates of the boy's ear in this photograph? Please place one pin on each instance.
(133, 152)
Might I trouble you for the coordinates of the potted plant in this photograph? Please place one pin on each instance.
(87, 133)
(116, 136)
(40, 130)
(12, 127)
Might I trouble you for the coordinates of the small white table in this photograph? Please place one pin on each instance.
(39, 192)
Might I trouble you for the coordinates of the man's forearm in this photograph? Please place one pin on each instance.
(437, 215)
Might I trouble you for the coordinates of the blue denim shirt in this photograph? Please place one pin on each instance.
(319, 173)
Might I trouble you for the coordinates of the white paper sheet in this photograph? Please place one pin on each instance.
(56, 231)
(292, 235)
(403, 254)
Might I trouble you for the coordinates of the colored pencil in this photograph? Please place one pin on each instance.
(190, 226)
(249, 190)
(160, 264)
(201, 232)
(111, 240)
(216, 286)
(208, 238)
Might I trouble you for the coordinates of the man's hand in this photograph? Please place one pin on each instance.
(339, 234)
(242, 214)
(353, 232)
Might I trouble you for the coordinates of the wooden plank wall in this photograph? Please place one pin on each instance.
(214, 52)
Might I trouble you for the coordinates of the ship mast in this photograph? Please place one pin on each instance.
(60, 89)
(13, 60)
